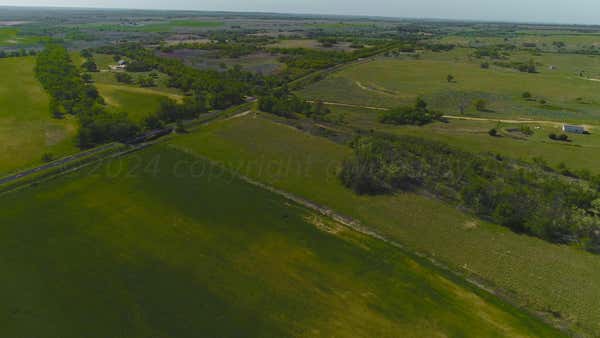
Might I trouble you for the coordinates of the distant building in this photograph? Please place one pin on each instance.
(121, 65)
(567, 128)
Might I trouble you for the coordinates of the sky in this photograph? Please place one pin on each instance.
(543, 11)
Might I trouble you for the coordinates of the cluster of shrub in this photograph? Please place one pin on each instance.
(528, 198)
(283, 103)
(142, 81)
(559, 137)
(525, 67)
(170, 111)
(497, 52)
(89, 65)
(70, 94)
(419, 115)
(440, 47)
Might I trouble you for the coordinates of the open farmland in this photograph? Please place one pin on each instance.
(559, 94)
(546, 277)
(210, 253)
(172, 174)
(27, 130)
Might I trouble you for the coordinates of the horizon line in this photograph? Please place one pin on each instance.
(307, 14)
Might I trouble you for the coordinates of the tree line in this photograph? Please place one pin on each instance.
(283, 103)
(529, 198)
(70, 94)
(418, 114)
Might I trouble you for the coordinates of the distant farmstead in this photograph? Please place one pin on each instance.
(567, 128)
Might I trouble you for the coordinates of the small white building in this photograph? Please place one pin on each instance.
(121, 65)
(567, 128)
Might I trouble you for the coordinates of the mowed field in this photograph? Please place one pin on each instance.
(27, 130)
(135, 101)
(163, 244)
(389, 82)
(544, 277)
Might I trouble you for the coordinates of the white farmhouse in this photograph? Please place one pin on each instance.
(567, 128)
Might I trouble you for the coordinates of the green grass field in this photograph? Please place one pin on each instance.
(389, 82)
(135, 101)
(544, 277)
(161, 244)
(27, 129)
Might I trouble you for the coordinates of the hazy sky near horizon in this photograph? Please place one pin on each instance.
(551, 11)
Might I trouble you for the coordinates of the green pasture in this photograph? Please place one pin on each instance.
(27, 130)
(554, 280)
(559, 94)
(136, 102)
(162, 244)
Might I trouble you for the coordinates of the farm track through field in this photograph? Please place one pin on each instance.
(376, 90)
(350, 105)
(456, 117)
